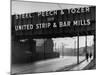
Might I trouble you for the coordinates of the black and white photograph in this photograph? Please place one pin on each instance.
(52, 37)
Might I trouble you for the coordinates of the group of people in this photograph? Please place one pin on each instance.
(88, 55)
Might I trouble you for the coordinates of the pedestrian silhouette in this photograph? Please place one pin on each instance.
(90, 55)
(87, 56)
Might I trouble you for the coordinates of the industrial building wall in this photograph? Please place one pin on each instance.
(45, 50)
(22, 51)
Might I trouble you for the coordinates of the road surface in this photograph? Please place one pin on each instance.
(49, 65)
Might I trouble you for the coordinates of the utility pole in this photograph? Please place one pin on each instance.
(44, 48)
(78, 48)
(94, 46)
(62, 49)
(55, 47)
(86, 43)
(74, 45)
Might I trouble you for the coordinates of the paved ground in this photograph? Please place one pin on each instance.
(47, 65)
(91, 65)
(82, 65)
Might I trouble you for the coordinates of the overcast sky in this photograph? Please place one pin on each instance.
(72, 42)
(19, 7)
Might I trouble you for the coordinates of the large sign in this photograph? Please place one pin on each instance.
(65, 22)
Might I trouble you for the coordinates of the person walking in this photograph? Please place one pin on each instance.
(90, 55)
(87, 55)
